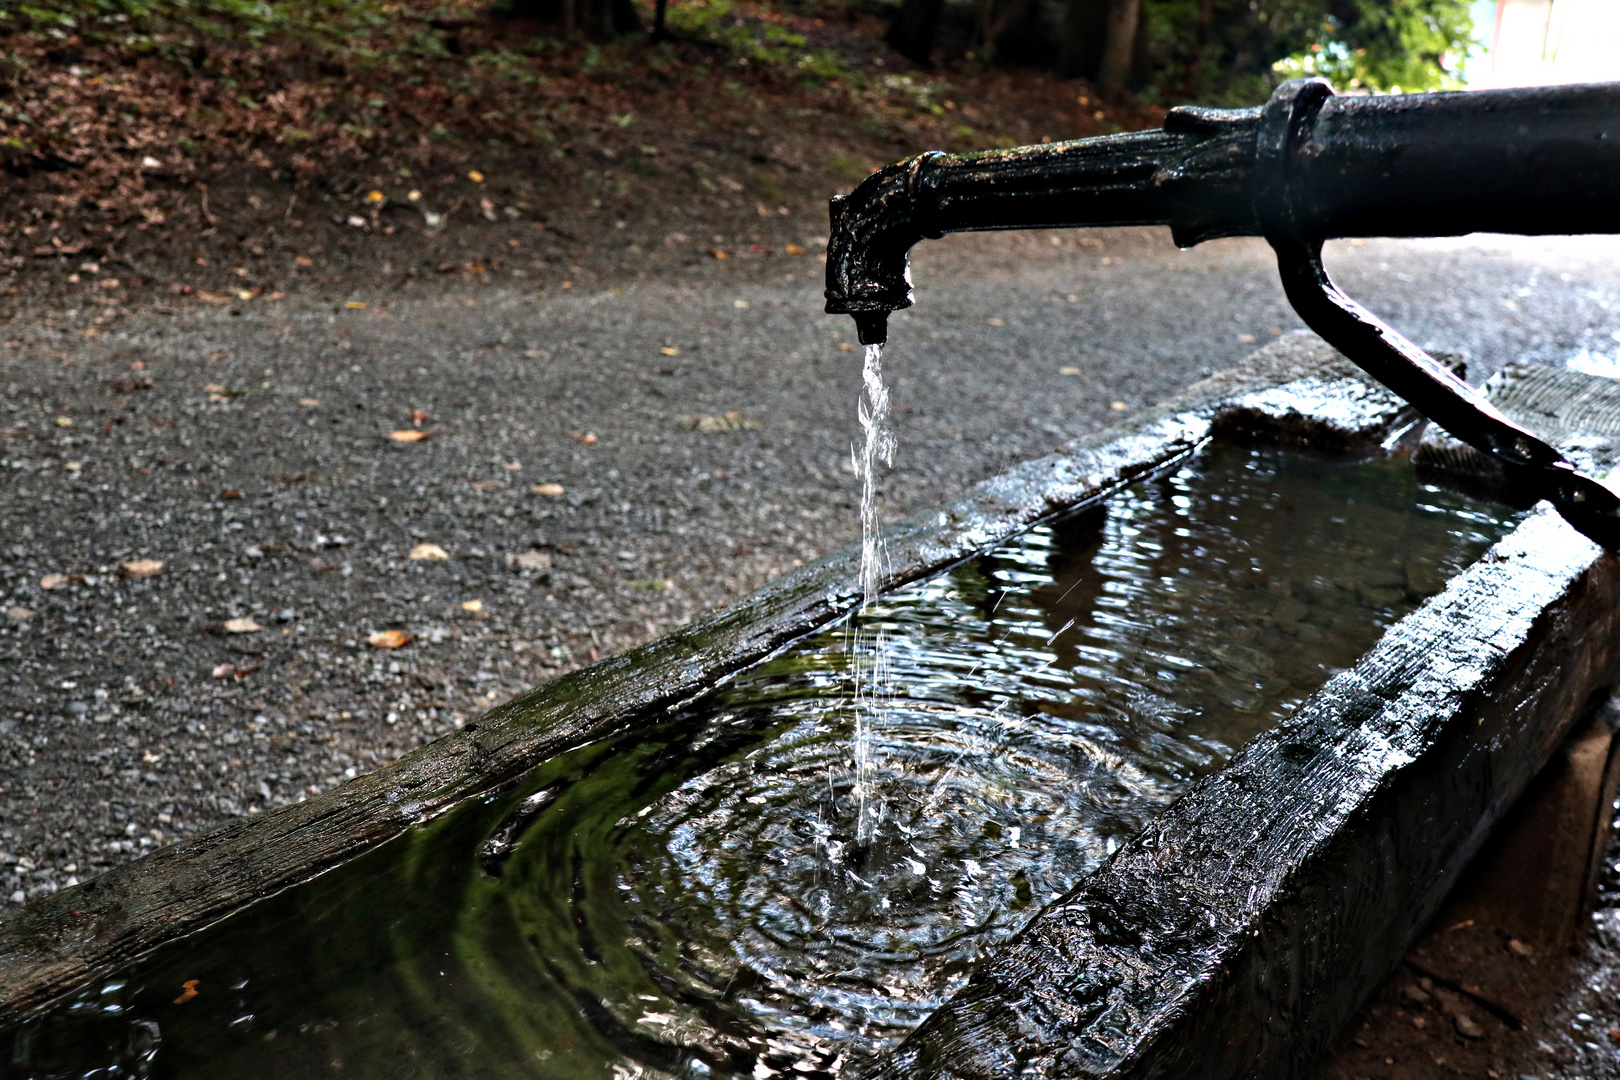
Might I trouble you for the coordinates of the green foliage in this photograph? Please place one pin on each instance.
(1247, 46)
(1405, 45)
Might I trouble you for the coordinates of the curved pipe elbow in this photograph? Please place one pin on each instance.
(873, 230)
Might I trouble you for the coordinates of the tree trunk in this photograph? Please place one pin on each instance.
(912, 32)
(1085, 28)
(599, 18)
(1120, 47)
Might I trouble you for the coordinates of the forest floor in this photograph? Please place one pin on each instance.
(187, 168)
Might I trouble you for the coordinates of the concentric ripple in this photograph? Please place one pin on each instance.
(693, 900)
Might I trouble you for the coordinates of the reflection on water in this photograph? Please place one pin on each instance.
(694, 900)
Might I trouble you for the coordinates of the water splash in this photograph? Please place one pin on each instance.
(871, 646)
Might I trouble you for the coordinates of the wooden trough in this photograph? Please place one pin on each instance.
(1233, 937)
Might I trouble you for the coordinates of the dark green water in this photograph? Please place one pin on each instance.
(690, 901)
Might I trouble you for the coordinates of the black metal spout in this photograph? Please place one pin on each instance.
(1187, 176)
(1307, 167)
(1542, 160)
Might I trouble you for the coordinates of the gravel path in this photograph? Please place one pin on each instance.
(599, 464)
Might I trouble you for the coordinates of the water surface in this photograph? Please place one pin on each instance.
(694, 900)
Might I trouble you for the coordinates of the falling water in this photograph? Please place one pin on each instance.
(871, 646)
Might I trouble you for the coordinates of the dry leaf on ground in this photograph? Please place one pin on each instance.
(224, 671)
(552, 490)
(472, 605)
(188, 990)
(711, 425)
(407, 436)
(429, 552)
(388, 639)
(243, 625)
(530, 560)
(54, 581)
(141, 568)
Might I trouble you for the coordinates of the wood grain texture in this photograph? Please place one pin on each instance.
(60, 942)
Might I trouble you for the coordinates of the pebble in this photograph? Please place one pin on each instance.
(1466, 1027)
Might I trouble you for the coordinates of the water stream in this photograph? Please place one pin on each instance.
(697, 900)
(870, 646)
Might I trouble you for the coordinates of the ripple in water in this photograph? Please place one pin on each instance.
(697, 900)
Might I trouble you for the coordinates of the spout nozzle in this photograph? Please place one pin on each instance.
(872, 327)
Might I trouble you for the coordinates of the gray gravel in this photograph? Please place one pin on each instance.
(131, 716)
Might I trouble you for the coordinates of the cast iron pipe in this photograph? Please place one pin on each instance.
(1306, 167)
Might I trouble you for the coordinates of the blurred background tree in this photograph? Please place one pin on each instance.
(1208, 50)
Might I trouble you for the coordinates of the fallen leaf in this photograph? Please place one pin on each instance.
(429, 553)
(72, 466)
(513, 466)
(795, 249)
(472, 605)
(374, 196)
(304, 260)
(214, 388)
(54, 581)
(740, 305)
(486, 485)
(1068, 371)
(408, 436)
(141, 568)
(670, 350)
(844, 346)
(589, 438)
(356, 305)
(212, 298)
(530, 560)
(224, 671)
(537, 354)
(718, 254)
(552, 490)
(309, 402)
(242, 625)
(995, 322)
(475, 176)
(64, 421)
(231, 493)
(417, 416)
(187, 992)
(388, 639)
(731, 421)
